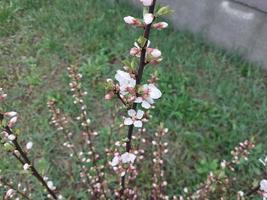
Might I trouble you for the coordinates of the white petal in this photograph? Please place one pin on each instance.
(147, 2)
(155, 93)
(132, 157)
(11, 114)
(263, 185)
(156, 53)
(138, 100)
(146, 105)
(129, 19)
(140, 114)
(125, 157)
(115, 161)
(128, 121)
(148, 18)
(131, 112)
(138, 124)
(29, 145)
(11, 137)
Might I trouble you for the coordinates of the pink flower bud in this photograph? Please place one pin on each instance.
(160, 25)
(135, 51)
(132, 21)
(12, 121)
(109, 95)
(10, 114)
(156, 53)
(147, 2)
(148, 18)
(29, 145)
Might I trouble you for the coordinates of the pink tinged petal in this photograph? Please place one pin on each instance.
(147, 2)
(129, 20)
(128, 157)
(131, 112)
(138, 100)
(134, 51)
(156, 53)
(263, 185)
(148, 18)
(12, 121)
(138, 124)
(11, 114)
(160, 25)
(132, 157)
(115, 161)
(140, 114)
(145, 105)
(155, 93)
(109, 95)
(128, 121)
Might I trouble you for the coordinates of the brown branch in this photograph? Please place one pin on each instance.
(139, 76)
(12, 187)
(252, 191)
(26, 160)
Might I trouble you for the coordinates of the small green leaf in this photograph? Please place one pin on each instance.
(165, 10)
(142, 41)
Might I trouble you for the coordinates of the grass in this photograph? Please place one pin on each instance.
(212, 99)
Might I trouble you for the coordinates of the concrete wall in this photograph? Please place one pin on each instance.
(229, 24)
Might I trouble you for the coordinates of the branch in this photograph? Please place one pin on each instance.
(26, 160)
(139, 75)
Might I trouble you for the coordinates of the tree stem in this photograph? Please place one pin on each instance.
(139, 76)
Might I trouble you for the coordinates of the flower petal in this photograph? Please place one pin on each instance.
(148, 18)
(263, 185)
(147, 2)
(138, 100)
(145, 105)
(115, 161)
(140, 114)
(138, 124)
(155, 93)
(131, 112)
(128, 121)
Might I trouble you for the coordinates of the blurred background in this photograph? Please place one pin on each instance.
(213, 95)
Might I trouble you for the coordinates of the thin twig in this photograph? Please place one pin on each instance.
(26, 160)
(12, 187)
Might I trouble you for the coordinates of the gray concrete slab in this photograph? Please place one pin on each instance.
(259, 50)
(191, 15)
(230, 24)
(259, 4)
(234, 26)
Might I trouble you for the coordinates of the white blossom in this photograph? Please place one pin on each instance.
(149, 93)
(126, 82)
(135, 118)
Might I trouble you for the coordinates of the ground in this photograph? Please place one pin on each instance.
(212, 100)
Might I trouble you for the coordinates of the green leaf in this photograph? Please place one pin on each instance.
(165, 10)
(141, 41)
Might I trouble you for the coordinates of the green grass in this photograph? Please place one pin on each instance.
(212, 99)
